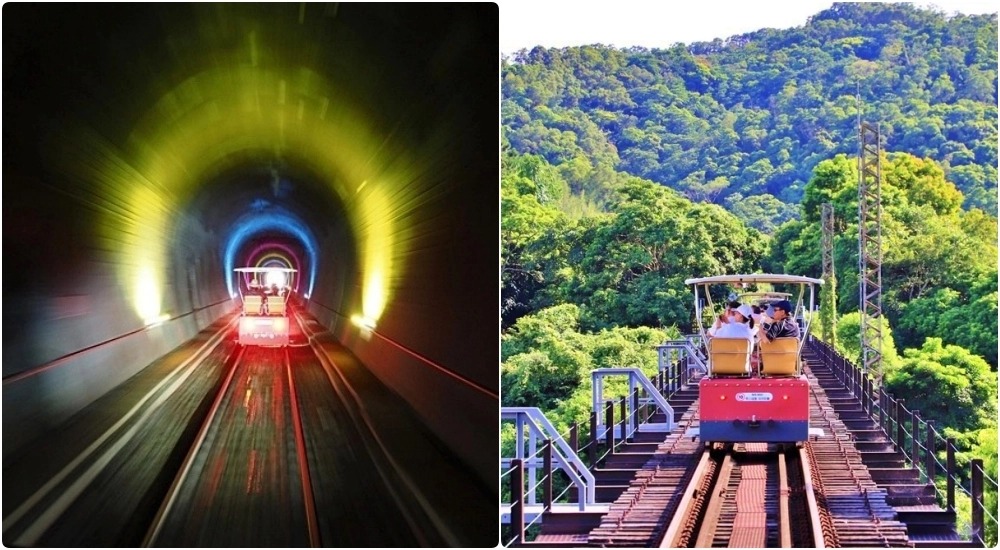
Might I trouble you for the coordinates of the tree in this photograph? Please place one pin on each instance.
(946, 384)
(529, 187)
(541, 359)
(546, 361)
(761, 110)
(848, 334)
(628, 268)
(761, 212)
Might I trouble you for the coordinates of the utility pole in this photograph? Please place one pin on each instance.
(870, 248)
(828, 293)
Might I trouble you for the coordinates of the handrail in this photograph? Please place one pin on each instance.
(564, 457)
(689, 352)
(18, 376)
(636, 379)
(449, 372)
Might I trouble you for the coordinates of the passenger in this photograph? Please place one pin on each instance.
(260, 290)
(723, 318)
(780, 325)
(740, 324)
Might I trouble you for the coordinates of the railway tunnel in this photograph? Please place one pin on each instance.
(150, 150)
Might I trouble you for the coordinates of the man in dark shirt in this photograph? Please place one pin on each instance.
(782, 326)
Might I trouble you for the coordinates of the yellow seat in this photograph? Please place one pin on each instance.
(251, 304)
(728, 356)
(276, 305)
(780, 357)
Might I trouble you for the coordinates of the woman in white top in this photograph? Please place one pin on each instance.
(739, 325)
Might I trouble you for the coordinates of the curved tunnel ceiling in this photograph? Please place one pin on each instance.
(150, 149)
(205, 89)
(263, 84)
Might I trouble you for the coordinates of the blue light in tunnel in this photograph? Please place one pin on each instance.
(276, 219)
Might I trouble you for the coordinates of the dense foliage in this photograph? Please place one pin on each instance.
(939, 273)
(744, 121)
(622, 268)
(627, 171)
(934, 370)
(547, 361)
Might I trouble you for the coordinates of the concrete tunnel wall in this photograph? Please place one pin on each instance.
(89, 309)
(63, 291)
(441, 310)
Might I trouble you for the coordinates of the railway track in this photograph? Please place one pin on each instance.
(855, 508)
(750, 496)
(637, 517)
(246, 478)
(285, 457)
(249, 447)
(677, 498)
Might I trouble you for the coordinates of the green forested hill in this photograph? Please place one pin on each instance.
(625, 171)
(743, 122)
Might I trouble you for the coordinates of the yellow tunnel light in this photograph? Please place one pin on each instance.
(363, 322)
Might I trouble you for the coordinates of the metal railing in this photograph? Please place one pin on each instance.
(590, 443)
(915, 438)
(681, 358)
(540, 451)
(533, 428)
(643, 392)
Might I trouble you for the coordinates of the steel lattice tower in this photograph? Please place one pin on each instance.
(870, 248)
(828, 272)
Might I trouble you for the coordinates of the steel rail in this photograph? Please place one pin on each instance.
(168, 502)
(709, 493)
(673, 534)
(819, 541)
(784, 520)
(168, 384)
(364, 425)
(312, 522)
(713, 510)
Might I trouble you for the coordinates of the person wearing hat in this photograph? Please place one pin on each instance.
(782, 326)
(723, 317)
(739, 325)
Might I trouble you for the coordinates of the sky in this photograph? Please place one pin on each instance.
(660, 24)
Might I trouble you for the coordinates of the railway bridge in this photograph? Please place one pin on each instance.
(867, 481)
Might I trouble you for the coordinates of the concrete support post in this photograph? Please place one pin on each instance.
(898, 444)
(929, 464)
(635, 412)
(623, 407)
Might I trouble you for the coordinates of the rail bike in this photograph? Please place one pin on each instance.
(264, 293)
(754, 389)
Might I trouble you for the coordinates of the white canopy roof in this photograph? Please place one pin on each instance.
(264, 269)
(754, 278)
(766, 294)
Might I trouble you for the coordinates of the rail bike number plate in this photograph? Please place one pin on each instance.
(754, 396)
